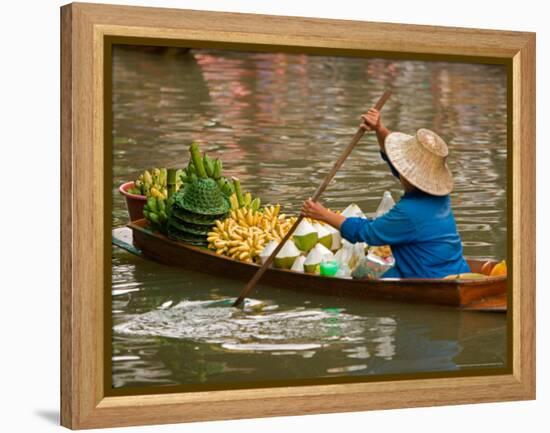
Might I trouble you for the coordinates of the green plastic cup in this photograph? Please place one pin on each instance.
(329, 268)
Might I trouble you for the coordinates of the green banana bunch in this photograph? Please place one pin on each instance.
(214, 170)
(156, 211)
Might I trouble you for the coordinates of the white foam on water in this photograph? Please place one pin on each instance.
(259, 327)
(166, 305)
(359, 352)
(253, 347)
(347, 368)
(125, 358)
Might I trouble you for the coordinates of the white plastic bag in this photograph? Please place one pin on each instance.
(357, 254)
(385, 205)
(372, 267)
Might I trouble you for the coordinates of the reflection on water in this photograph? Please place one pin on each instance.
(278, 122)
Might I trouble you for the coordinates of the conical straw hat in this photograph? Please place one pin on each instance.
(422, 160)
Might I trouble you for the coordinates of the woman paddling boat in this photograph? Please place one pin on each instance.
(420, 228)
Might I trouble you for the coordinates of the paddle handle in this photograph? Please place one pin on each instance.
(358, 135)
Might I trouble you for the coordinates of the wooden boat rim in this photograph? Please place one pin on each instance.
(140, 226)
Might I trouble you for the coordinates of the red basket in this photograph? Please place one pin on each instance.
(134, 202)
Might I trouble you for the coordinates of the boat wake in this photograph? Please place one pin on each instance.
(256, 327)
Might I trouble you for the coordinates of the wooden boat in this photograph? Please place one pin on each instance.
(479, 295)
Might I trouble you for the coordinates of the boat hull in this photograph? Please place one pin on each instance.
(458, 293)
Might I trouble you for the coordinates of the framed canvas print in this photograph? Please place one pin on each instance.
(265, 215)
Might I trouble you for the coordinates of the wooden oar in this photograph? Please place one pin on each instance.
(360, 132)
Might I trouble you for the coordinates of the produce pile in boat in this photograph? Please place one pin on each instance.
(318, 248)
(201, 207)
(193, 199)
(252, 235)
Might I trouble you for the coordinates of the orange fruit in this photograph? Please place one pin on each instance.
(499, 269)
(488, 267)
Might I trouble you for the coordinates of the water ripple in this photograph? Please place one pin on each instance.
(256, 328)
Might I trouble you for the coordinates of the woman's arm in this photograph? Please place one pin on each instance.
(372, 121)
(381, 133)
(393, 228)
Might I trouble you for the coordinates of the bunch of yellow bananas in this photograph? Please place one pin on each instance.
(153, 183)
(150, 180)
(244, 234)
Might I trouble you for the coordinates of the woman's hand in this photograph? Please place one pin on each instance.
(371, 120)
(312, 209)
(317, 211)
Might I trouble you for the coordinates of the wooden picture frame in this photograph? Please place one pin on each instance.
(86, 30)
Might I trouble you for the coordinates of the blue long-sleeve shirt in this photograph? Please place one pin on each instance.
(422, 233)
